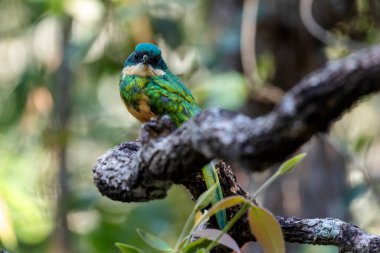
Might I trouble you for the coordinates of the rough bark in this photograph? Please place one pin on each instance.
(328, 231)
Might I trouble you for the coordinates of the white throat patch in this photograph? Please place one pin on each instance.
(143, 70)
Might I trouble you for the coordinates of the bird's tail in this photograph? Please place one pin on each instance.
(211, 178)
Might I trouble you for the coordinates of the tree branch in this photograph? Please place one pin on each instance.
(328, 231)
(140, 171)
(145, 169)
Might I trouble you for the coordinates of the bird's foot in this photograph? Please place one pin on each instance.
(156, 128)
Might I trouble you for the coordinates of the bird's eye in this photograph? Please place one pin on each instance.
(155, 60)
(136, 57)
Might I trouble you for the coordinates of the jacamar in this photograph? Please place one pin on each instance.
(149, 89)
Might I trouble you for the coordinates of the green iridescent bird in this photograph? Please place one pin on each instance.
(149, 89)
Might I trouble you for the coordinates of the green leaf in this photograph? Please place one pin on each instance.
(125, 248)
(223, 204)
(290, 164)
(202, 251)
(211, 177)
(154, 241)
(213, 234)
(226, 203)
(266, 229)
(284, 168)
(195, 245)
(205, 198)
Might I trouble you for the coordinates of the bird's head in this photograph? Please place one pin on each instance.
(148, 55)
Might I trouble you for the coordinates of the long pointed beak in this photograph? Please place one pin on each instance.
(145, 59)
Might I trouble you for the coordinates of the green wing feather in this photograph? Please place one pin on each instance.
(168, 95)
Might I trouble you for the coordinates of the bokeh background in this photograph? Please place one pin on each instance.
(60, 109)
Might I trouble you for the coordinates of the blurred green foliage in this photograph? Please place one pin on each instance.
(93, 37)
(32, 48)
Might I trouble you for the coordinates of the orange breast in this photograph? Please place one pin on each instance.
(144, 113)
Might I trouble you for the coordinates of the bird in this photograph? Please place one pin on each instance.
(149, 90)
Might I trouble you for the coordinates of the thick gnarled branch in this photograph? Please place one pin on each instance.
(145, 170)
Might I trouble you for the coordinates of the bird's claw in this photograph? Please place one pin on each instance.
(156, 128)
